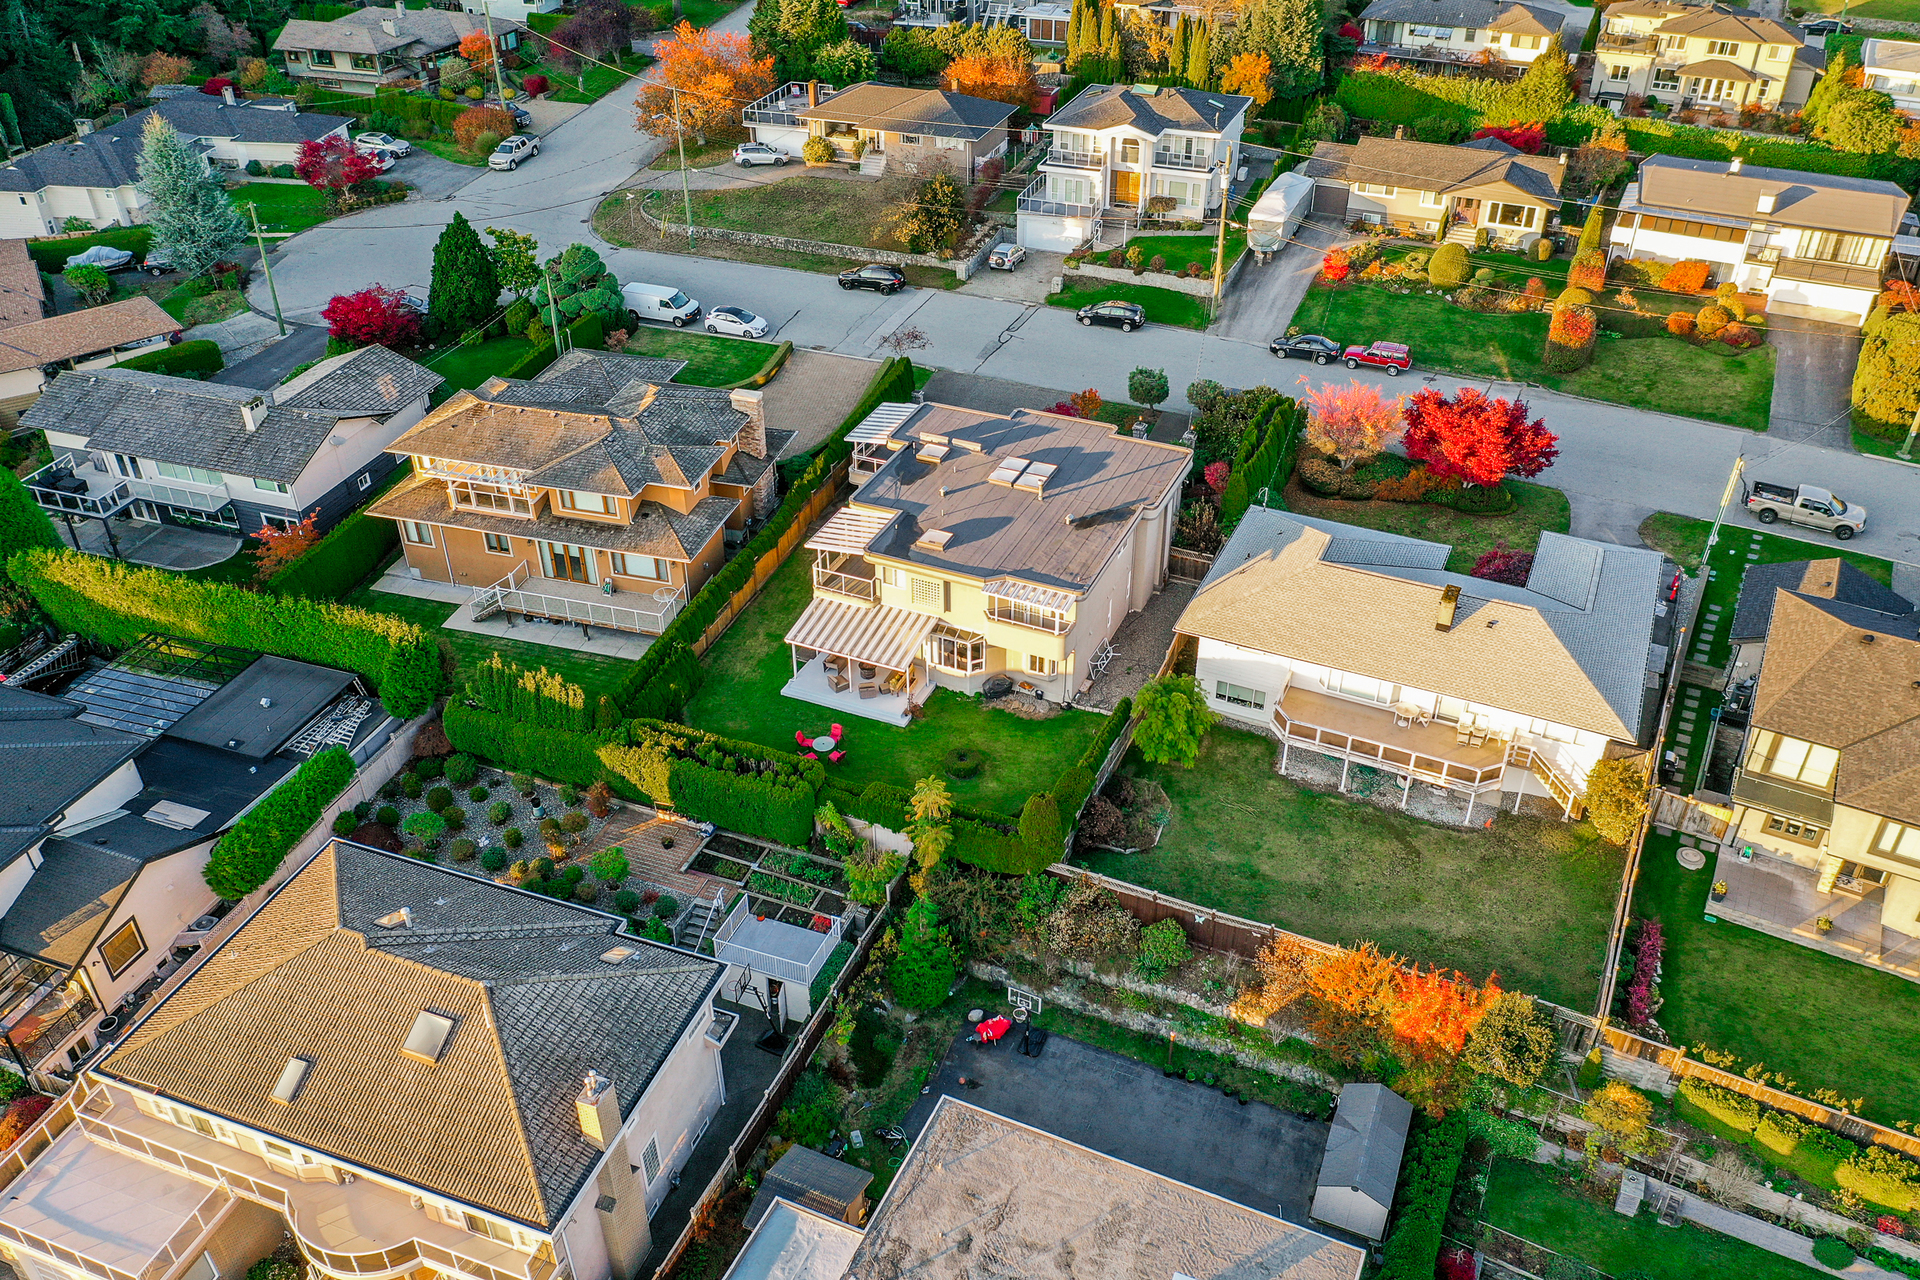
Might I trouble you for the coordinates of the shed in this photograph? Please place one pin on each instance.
(827, 1186)
(1362, 1163)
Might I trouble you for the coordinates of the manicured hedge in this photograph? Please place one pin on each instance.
(588, 333)
(537, 697)
(770, 807)
(559, 755)
(1735, 1111)
(118, 603)
(532, 362)
(1809, 1151)
(341, 560)
(424, 115)
(1886, 382)
(1412, 1246)
(199, 356)
(248, 855)
(767, 370)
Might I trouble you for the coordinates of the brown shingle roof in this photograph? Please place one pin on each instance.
(1821, 681)
(82, 333)
(1428, 166)
(656, 529)
(1717, 22)
(492, 1123)
(21, 292)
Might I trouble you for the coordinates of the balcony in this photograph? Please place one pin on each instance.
(1077, 159)
(1841, 275)
(44, 1010)
(782, 105)
(520, 592)
(358, 1228)
(771, 947)
(1034, 200)
(1175, 160)
(72, 485)
(1359, 734)
(1782, 797)
(848, 577)
(187, 495)
(1611, 43)
(452, 469)
(1018, 615)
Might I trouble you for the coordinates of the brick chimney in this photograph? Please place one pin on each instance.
(753, 433)
(599, 1108)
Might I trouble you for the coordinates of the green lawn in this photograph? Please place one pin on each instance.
(1528, 899)
(1661, 373)
(1181, 250)
(1825, 1022)
(467, 367)
(701, 13)
(1537, 1204)
(281, 206)
(1164, 306)
(51, 255)
(594, 82)
(1864, 442)
(1885, 10)
(712, 361)
(716, 151)
(595, 674)
(449, 151)
(741, 699)
(1536, 508)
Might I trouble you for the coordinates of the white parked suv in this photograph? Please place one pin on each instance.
(512, 151)
(382, 142)
(748, 154)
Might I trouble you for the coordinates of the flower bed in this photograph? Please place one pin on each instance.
(1643, 992)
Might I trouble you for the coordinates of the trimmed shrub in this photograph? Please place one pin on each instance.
(248, 855)
(1412, 1246)
(626, 902)
(118, 603)
(345, 823)
(347, 555)
(1724, 1107)
(513, 837)
(1882, 1175)
(1448, 267)
(462, 770)
(387, 816)
(1589, 271)
(463, 850)
(1832, 1253)
(1686, 277)
(493, 860)
(439, 798)
(1780, 1132)
(1711, 319)
(1540, 250)
(1680, 324)
(499, 812)
(201, 356)
(1886, 382)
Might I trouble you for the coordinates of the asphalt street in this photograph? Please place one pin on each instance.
(1617, 463)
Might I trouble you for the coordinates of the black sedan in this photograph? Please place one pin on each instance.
(1124, 316)
(1307, 346)
(874, 276)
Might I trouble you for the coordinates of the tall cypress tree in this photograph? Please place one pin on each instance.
(1073, 33)
(1200, 56)
(1291, 33)
(1177, 59)
(1545, 90)
(194, 224)
(1109, 34)
(465, 289)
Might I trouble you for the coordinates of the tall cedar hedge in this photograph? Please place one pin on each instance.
(118, 603)
(248, 855)
(350, 552)
(199, 356)
(1412, 1246)
(1886, 382)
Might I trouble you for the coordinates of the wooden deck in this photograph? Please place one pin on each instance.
(639, 831)
(1368, 735)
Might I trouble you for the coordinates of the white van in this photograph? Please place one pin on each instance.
(658, 302)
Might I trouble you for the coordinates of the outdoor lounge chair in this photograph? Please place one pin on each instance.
(836, 682)
(800, 736)
(868, 689)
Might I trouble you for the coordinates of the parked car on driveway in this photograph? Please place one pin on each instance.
(748, 154)
(1391, 356)
(1124, 316)
(382, 142)
(1827, 27)
(1806, 505)
(512, 151)
(738, 322)
(1306, 346)
(1005, 257)
(875, 275)
(104, 256)
(156, 263)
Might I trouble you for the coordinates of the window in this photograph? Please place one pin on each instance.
(365, 62)
(954, 650)
(480, 1225)
(1862, 872)
(596, 503)
(1046, 30)
(127, 466)
(364, 481)
(1666, 78)
(574, 564)
(1129, 151)
(499, 544)
(1794, 829)
(1375, 189)
(1041, 666)
(1239, 695)
(421, 535)
(1523, 42)
(1672, 44)
(278, 1151)
(1762, 89)
(1698, 230)
(1365, 688)
(650, 1160)
(1512, 215)
(427, 1039)
(1429, 199)
(122, 948)
(321, 57)
(1722, 48)
(1186, 193)
(1619, 72)
(1807, 763)
(293, 55)
(1773, 52)
(1438, 34)
(466, 495)
(1897, 840)
(1712, 90)
(1831, 246)
(930, 593)
(269, 486)
(192, 475)
(638, 566)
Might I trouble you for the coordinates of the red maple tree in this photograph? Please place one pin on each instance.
(376, 314)
(331, 164)
(280, 547)
(1529, 138)
(1476, 439)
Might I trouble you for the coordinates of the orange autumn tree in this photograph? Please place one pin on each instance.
(1349, 999)
(1249, 74)
(280, 547)
(998, 78)
(1429, 1016)
(477, 50)
(715, 76)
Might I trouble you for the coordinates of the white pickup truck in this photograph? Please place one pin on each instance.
(1804, 504)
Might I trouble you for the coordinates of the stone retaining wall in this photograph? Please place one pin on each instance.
(962, 266)
(1202, 287)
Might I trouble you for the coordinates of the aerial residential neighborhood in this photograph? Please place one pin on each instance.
(787, 640)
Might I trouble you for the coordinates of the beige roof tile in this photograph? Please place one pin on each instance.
(81, 333)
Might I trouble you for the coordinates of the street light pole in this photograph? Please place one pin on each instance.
(1906, 450)
(253, 211)
(686, 193)
(1220, 244)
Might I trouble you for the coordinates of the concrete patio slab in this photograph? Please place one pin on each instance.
(164, 546)
(1781, 898)
(605, 641)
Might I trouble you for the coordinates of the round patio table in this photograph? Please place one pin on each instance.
(824, 743)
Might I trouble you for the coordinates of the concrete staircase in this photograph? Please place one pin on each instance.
(873, 164)
(699, 922)
(1461, 233)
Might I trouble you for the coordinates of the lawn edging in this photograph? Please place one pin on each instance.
(774, 364)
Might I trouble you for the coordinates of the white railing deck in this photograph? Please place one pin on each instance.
(105, 493)
(649, 614)
(788, 967)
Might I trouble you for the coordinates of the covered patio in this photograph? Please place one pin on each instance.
(860, 659)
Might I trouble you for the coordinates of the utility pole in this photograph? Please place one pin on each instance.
(1220, 244)
(553, 313)
(1906, 450)
(253, 211)
(686, 192)
(1726, 500)
(493, 53)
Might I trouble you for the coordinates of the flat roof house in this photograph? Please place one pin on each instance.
(361, 51)
(888, 128)
(93, 338)
(1453, 193)
(94, 175)
(1815, 244)
(1361, 647)
(598, 478)
(414, 1071)
(978, 545)
(1455, 35)
(166, 450)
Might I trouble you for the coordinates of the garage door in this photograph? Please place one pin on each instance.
(1056, 234)
(781, 139)
(1329, 199)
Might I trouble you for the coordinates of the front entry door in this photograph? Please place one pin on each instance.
(1467, 211)
(1126, 190)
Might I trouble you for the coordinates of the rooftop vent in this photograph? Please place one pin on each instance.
(934, 539)
(1866, 638)
(428, 1038)
(1734, 165)
(1449, 601)
(401, 919)
(617, 954)
(931, 452)
(293, 1078)
(1008, 471)
(1036, 478)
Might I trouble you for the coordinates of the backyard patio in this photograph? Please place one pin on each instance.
(1779, 897)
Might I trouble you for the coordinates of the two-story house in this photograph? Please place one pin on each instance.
(166, 450)
(1826, 820)
(1451, 193)
(120, 786)
(599, 482)
(980, 545)
(887, 128)
(91, 338)
(1707, 56)
(1892, 67)
(1814, 243)
(365, 49)
(1489, 35)
(416, 1072)
(95, 174)
(1125, 152)
(1359, 646)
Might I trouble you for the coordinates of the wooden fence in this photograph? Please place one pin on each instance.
(769, 564)
(1187, 566)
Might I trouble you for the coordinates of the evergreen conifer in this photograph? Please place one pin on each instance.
(465, 285)
(194, 224)
(1199, 72)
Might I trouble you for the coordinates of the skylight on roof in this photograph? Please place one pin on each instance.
(401, 919)
(1008, 471)
(933, 452)
(616, 954)
(1036, 478)
(428, 1038)
(292, 1079)
(934, 539)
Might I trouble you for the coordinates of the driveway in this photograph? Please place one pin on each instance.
(1813, 381)
(1262, 301)
(271, 365)
(1255, 1155)
(433, 177)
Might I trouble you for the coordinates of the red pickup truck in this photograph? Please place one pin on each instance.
(1391, 356)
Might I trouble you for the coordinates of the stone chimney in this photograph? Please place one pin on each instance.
(1733, 165)
(599, 1109)
(813, 93)
(226, 95)
(753, 433)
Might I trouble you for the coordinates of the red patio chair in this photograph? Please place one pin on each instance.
(836, 756)
(810, 756)
(800, 736)
(835, 732)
